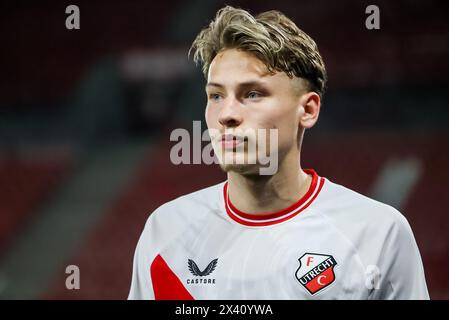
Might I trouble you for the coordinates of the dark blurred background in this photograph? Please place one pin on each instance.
(86, 116)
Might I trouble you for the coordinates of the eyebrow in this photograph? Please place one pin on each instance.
(213, 84)
(240, 85)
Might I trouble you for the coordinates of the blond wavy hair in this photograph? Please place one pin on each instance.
(270, 36)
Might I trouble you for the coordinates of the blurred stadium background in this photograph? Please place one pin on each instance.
(86, 116)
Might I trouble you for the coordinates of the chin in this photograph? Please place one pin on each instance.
(237, 162)
(243, 169)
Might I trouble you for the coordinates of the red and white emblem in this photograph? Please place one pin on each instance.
(316, 271)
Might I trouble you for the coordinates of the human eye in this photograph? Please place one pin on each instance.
(214, 96)
(254, 95)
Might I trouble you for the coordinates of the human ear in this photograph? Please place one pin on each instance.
(310, 103)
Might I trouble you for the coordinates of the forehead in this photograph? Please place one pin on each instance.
(233, 69)
(236, 60)
(233, 66)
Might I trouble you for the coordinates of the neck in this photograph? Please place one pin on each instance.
(259, 194)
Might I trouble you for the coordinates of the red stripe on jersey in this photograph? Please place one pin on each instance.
(271, 218)
(166, 285)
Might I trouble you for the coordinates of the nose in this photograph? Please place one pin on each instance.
(230, 114)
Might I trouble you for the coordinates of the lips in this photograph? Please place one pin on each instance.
(229, 141)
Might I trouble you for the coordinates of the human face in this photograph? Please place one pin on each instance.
(242, 96)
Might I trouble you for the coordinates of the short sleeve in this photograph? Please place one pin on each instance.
(400, 266)
(141, 286)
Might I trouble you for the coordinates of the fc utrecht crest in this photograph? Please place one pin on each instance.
(316, 271)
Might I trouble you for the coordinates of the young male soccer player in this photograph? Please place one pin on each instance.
(287, 235)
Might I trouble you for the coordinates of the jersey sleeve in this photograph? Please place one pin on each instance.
(401, 269)
(141, 285)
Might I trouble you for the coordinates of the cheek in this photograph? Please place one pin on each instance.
(211, 117)
(284, 120)
(279, 112)
(286, 127)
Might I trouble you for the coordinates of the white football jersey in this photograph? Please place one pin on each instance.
(333, 243)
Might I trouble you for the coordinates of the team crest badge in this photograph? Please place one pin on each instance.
(316, 271)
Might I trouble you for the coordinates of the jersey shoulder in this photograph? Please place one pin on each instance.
(341, 203)
(369, 225)
(382, 237)
(197, 200)
(186, 209)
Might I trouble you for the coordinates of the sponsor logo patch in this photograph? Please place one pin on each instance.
(195, 270)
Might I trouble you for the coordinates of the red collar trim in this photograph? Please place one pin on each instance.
(271, 218)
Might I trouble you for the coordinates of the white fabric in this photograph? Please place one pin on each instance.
(261, 262)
